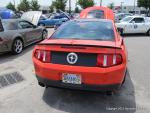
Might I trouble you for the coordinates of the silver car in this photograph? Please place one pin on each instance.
(15, 34)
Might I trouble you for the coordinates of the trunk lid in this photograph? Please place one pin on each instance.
(86, 50)
(90, 43)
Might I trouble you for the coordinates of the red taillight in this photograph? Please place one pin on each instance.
(42, 55)
(108, 60)
(100, 60)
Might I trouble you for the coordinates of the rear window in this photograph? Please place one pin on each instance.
(96, 14)
(85, 30)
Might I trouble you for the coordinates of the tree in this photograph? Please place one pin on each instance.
(11, 6)
(77, 10)
(86, 3)
(24, 6)
(145, 4)
(111, 5)
(34, 5)
(51, 8)
(59, 4)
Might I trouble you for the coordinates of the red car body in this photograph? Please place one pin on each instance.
(107, 74)
(100, 12)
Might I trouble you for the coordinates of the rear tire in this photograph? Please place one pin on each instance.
(125, 76)
(109, 93)
(41, 84)
(17, 46)
(46, 87)
(120, 31)
(148, 32)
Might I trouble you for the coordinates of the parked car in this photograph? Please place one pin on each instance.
(15, 34)
(98, 13)
(85, 54)
(53, 19)
(7, 14)
(120, 16)
(134, 24)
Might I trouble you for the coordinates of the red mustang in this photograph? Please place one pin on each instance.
(85, 54)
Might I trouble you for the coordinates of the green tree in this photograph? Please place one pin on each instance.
(11, 6)
(34, 5)
(51, 8)
(86, 3)
(144, 3)
(111, 5)
(77, 10)
(59, 4)
(24, 5)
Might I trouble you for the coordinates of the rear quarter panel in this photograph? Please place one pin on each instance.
(9, 37)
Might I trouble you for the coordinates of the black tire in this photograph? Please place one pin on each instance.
(120, 31)
(148, 32)
(44, 34)
(17, 46)
(125, 76)
(109, 93)
(41, 84)
(46, 87)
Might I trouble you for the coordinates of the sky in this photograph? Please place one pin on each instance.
(3, 3)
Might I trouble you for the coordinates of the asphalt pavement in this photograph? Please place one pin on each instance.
(27, 97)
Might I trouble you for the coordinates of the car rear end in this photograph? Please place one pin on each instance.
(100, 65)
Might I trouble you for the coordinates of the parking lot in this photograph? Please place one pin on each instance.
(27, 97)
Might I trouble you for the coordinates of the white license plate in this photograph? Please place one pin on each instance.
(71, 78)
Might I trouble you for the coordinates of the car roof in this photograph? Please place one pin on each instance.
(138, 16)
(11, 20)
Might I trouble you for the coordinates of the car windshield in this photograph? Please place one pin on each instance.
(85, 30)
(126, 19)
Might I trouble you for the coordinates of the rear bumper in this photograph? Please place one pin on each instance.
(90, 75)
(59, 84)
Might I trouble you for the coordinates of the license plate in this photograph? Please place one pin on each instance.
(71, 78)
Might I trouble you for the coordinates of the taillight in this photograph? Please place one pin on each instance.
(108, 60)
(42, 55)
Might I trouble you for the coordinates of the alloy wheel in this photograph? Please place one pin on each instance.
(17, 46)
